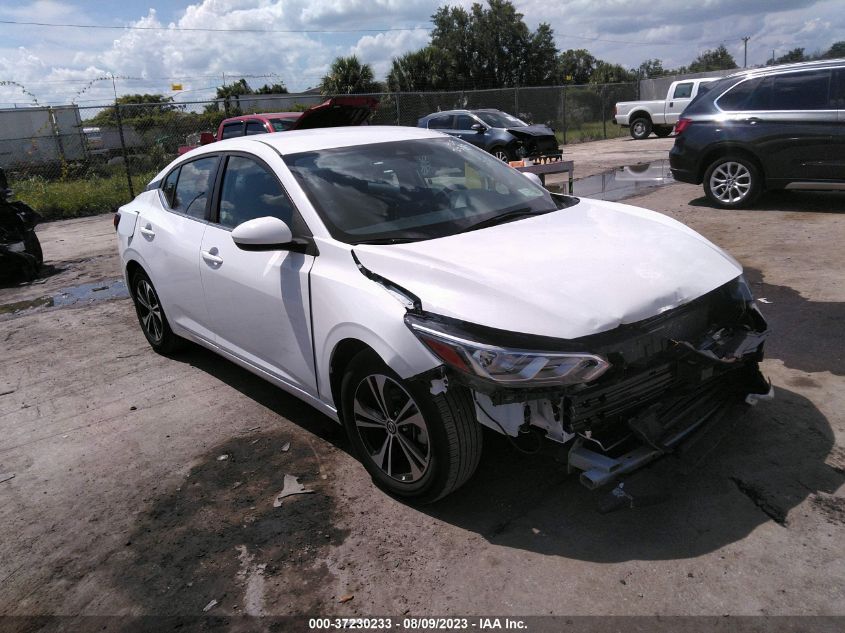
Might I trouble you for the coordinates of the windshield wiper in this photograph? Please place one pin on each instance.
(504, 217)
(391, 240)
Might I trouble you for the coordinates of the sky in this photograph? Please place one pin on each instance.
(57, 65)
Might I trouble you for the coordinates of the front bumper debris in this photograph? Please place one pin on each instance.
(670, 376)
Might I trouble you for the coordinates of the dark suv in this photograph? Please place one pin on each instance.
(781, 127)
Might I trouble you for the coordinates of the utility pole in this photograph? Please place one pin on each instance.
(745, 51)
(773, 56)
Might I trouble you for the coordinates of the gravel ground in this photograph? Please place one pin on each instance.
(122, 501)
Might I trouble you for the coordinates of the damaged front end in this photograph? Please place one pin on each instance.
(623, 397)
(535, 141)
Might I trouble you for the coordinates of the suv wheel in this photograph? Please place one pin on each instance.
(640, 128)
(501, 153)
(413, 444)
(732, 182)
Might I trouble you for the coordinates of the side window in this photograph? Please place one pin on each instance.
(168, 187)
(231, 130)
(736, 99)
(683, 91)
(837, 89)
(255, 127)
(194, 186)
(464, 122)
(801, 91)
(250, 191)
(443, 122)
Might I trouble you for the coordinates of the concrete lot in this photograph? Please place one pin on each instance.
(120, 503)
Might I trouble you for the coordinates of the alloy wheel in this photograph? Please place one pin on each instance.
(392, 428)
(501, 155)
(730, 182)
(149, 310)
(639, 127)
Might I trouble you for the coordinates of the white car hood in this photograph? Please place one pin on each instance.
(578, 271)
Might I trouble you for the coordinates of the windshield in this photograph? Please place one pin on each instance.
(282, 125)
(414, 190)
(499, 119)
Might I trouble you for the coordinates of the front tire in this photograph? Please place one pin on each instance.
(151, 315)
(414, 445)
(732, 182)
(663, 131)
(640, 128)
(501, 152)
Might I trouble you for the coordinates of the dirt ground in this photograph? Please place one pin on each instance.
(122, 501)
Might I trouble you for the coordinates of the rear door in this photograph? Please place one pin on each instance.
(259, 301)
(168, 236)
(678, 100)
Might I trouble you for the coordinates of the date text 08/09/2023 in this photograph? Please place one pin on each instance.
(419, 624)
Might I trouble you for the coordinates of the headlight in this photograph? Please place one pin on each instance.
(517, 367)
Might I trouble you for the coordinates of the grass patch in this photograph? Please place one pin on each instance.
(592, 131)
(73, 198)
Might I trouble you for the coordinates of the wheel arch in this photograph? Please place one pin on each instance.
(342, 354)
(639, 114)
(728, 149)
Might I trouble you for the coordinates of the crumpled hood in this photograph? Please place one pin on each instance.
(578, 271)
(531, 130)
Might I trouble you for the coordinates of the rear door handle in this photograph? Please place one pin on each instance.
(211, 257)
(147, 231)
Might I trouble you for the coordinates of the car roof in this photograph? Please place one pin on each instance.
(822, 64)
(296, 141)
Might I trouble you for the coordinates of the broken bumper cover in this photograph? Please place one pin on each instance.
(669, 376)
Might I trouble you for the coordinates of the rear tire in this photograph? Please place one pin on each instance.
(663, 131)
(414, 445)
(151, 316)
(733, 182)
(33, 247)
(640, 128)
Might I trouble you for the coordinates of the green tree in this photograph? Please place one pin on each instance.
(347, 75)
(141, 111)
(419, 71)
(837, 50)
(575, 66)
(795, 55)
(492, 46)
(607, 73)
(651, 68)
(234, 89)
(272, 89)
(716, 59)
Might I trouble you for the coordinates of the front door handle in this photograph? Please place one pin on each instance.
(211, 257)
(671, 104)
(147, 231)
(753, 120)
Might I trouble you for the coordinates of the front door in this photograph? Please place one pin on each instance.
(258, 301)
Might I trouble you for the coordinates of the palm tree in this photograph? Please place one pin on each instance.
(347, 75)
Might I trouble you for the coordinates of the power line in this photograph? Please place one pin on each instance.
(211, 30)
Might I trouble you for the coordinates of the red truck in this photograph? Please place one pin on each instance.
(334, 112)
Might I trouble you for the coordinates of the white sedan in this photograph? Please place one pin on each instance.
(415, 289)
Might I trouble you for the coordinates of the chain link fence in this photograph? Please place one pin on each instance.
(70, 161)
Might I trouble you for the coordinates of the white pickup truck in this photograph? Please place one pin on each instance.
(644, 117)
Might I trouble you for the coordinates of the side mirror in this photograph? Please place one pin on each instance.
(262, 234)
(206, 138)
(533, 178)
(478, 127)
